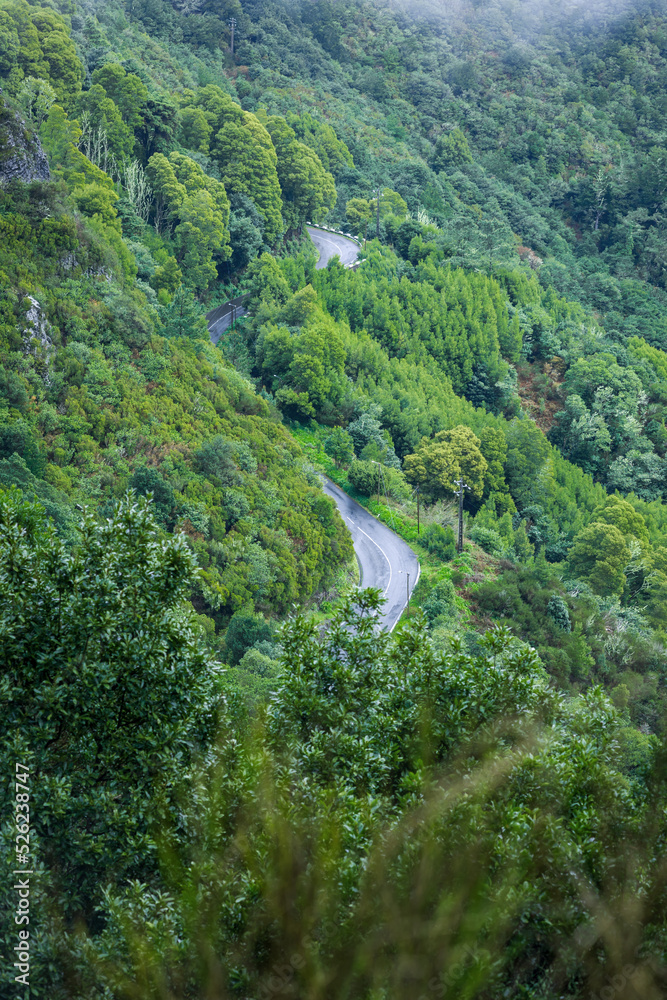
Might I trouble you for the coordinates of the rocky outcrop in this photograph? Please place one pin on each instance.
(21, 155)
(37, 341)
(37, 328)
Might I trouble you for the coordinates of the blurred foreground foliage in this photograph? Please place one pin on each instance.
(398, 822)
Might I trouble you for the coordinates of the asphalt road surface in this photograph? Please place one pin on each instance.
(327, 245)
(385, 560)
(221, 318)
(330, 244)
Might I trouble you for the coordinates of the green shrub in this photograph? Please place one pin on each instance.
(363, 476)
(339, 446)
(148, 480)
(439, 541)
(255, 662)
(18, 438)
(223, 459)
(244, 630)
(441, 601)
(488, 539)
(558, 611)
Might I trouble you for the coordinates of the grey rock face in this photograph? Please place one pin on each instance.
(21, 155)
(36, 339)
(37, 329)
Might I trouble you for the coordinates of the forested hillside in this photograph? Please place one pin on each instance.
(237, 787)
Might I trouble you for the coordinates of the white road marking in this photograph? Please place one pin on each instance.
(341, 246)
(384, 594)
(359, 528)
(332, 243)
(332, 495)
(337, 249)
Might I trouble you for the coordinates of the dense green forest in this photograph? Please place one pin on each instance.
(238, 788)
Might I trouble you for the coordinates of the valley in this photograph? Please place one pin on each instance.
(280, 282)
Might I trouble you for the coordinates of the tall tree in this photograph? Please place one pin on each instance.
(105, 687)
(599, 555)
(101, 115)
(126, 90)
(493, 446)
(45, 49)
(248, 165)
(308, 190)
(245, 155)
(452, 455)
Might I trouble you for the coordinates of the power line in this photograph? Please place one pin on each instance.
(385, 492)
(416, 493)
(459, 493)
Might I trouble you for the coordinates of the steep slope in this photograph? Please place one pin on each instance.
(95, 399)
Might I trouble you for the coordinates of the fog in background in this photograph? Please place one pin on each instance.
(520, 20)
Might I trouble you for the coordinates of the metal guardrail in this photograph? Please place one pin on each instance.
(235, 307)
(339, 232)
(238, 300)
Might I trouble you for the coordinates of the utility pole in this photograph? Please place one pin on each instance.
(232, 24)
(377, 218)
(417, 512)
(407, 588)
(459, 493)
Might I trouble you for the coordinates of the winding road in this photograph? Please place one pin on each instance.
(220, 319)
(385, 560)
(329, 244)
